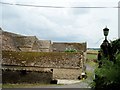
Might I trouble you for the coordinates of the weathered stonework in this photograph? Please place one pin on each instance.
(63, 65)
(26, 76)
(43, 59)
(31, 54)
(62, 73)
(61, 47)
(16, 42)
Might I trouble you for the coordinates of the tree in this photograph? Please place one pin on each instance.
(108, 76)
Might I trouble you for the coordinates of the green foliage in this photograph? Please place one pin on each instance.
(108, 76)
(115, 46)
(71, 50)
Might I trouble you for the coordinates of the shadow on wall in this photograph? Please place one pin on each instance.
(23, 76)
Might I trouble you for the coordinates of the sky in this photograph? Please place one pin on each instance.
(62, 24)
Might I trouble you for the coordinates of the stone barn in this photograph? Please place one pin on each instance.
(29, 55)
(62, 65)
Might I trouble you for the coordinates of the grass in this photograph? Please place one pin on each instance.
(92, 63)
(91, 56)
(90, 59)
(36, 85)
(92, 51)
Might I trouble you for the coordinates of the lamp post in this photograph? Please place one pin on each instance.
(106, 31)
(105, 46)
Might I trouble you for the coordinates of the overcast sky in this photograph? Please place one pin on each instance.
(62, 24)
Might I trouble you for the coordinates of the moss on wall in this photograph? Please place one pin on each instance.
(43, 59)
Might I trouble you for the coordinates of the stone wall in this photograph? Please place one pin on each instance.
(8, 42)
(23, 76)
(58, 73)
(64, 65)
(62, 73)
(28, 52)
(24, 41)
(44, 45)
(16, 42)
(43, 59)
(61, 47)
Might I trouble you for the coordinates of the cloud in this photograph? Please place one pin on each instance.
(61, 24)
(80, 11)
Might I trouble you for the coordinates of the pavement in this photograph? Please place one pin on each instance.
(66, 82)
